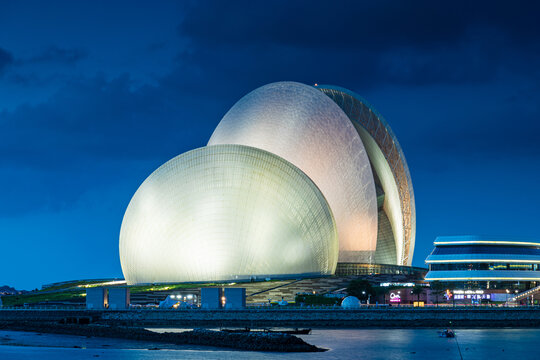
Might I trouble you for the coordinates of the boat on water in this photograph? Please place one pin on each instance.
(243, 330)
(446, 333)
(295, 331)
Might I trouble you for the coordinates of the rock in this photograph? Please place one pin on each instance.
(254, 341)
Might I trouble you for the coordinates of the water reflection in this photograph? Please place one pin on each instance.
(387, 344)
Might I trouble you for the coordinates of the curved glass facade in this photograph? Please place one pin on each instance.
(225, 212)
(389, 164)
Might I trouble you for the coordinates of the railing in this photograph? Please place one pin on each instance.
(428, 307)
(42, 307)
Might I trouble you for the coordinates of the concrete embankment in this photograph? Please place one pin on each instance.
(319, 318)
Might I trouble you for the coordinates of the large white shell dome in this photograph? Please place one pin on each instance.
(302, 125)
(224, 212)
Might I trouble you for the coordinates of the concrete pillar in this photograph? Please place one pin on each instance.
(118, 298)
(96, 298)
(211, 298)
(235, 298)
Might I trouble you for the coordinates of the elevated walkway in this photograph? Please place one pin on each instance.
(525, 294)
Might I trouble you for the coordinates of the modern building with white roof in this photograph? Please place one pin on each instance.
(485, 262)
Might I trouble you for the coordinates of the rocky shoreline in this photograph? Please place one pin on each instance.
(253, 341)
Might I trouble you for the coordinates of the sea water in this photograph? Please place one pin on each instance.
(384, 344)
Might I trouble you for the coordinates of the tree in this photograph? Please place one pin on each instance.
(379, 291)
(418, 290)
(309, 299)
(437, 288)
(361, 289)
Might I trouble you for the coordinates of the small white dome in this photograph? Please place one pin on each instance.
(350, 302)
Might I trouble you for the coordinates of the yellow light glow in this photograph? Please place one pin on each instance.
(108, 283)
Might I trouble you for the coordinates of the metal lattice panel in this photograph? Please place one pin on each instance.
(386, 246)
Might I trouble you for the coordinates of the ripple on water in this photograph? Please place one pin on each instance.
(387, 344)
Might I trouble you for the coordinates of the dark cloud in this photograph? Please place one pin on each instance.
(510, 137)
(476, 128)
(54, 54)
(361, 43)
(323, 24)
(353, 24)
(95, 132)
(156, 46)
(32, 80)
(6, 59)
(96, 118)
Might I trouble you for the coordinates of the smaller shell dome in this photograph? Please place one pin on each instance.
(226, 212)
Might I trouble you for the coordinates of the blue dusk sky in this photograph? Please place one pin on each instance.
(96, 95)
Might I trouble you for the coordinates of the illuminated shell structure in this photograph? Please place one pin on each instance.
(284, 188)
(305, 127)
(226, 212)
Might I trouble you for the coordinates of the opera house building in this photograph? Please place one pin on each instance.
(296, 180)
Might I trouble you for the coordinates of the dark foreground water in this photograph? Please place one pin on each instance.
(387, 344)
